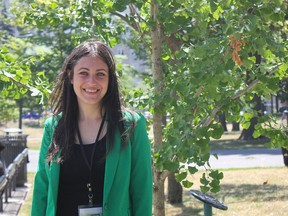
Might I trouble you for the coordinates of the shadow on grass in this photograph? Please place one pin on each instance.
(231, 193)
(191, 211)
(186, 210)
(232, 144)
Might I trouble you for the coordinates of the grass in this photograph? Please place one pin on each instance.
(257, 192)
(26, 206)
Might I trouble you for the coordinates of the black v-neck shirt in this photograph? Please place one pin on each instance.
(74, 176)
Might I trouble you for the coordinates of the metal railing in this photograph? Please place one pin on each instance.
(8, 180)
(14, 145)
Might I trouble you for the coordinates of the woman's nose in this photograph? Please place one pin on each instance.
(92, 79)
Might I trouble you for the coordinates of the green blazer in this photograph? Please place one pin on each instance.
(127, 181)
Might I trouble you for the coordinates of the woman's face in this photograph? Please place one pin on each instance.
(90, 80)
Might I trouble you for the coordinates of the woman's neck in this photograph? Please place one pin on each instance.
(90, 113)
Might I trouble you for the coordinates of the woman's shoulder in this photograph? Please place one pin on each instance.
(52, 121)
(132, 116)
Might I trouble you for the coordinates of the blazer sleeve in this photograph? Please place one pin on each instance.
(141, 170)
(40, 191)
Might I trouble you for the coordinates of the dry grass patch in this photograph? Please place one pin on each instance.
(257, 192)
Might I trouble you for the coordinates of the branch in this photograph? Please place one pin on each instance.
(253, 83)
(18, 83)
(199, 90)
(210, 118)
(237, 95)
(10, 76)
(164, 175)
(131, 23)
(133, 12)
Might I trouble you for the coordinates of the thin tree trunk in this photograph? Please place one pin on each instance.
(175, 190)
(157, 75)
(247, 134)
(222, 120)
(235, 126)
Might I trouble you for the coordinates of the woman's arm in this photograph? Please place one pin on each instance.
(141, 170)
(40, 192)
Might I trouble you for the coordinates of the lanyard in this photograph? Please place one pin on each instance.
(89, 165)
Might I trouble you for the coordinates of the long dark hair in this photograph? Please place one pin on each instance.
(64, 103)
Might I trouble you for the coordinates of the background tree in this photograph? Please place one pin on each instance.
(8, 110)
(200, 54)
(283, 92)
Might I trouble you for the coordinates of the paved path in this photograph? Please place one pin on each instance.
(247, 158)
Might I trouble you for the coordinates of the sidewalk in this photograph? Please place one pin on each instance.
(14, 203)
(18, 197)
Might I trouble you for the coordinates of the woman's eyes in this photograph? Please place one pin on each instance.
(98, 74)
(83, 73)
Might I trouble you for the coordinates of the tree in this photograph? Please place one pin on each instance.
(283, 91)
(8, 110)
(200, 54)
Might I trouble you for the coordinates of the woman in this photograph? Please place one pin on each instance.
(95, 157)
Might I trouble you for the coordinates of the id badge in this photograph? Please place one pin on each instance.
(88, 210)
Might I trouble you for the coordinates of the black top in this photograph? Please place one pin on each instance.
(74, 176)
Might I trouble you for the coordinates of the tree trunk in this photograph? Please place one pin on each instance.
(247, 134)
(158, 194)
(175, 190)
(235, 126)
(157, 76)
(222, 120)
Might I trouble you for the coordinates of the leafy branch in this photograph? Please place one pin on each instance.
(237, 95)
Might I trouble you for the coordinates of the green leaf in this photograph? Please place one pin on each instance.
(180, 176)
(4, 50)
(192, 170)
(257, 133)
(204, 189)
(120, 5)
(203, 180)
(217, 14)
(166, 58)
(187, 184)
(248, 116)
(213, 6)
(53, 5)
(246, 124)
(215, 188)
(217, 131)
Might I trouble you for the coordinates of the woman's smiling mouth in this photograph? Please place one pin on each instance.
(91, 90)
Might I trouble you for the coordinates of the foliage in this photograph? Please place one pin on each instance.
(16, 77)
(8, 110)
(208, 58)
